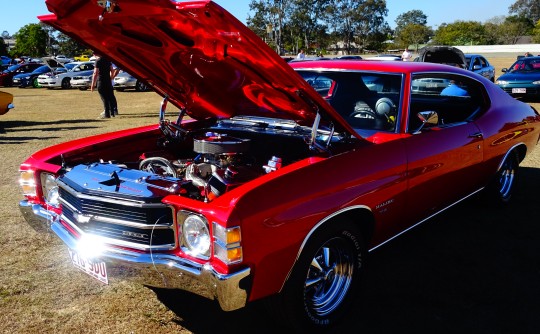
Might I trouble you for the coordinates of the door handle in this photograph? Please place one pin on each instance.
(476, 135)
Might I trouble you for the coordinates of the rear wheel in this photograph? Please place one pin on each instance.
(325, 279)
(501, 187)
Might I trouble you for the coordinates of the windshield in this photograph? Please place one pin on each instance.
(70, 66)
(526, 65)
(11, 68)
(42, 69)
(366, 100)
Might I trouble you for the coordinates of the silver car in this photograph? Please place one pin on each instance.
(125, 81)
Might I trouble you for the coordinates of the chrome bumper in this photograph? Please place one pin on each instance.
(160, 270)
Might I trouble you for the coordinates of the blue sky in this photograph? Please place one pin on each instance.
(14, 16)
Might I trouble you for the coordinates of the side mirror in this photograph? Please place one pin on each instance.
(504, 70)
(477, 67)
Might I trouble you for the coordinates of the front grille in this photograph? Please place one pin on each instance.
(123, 223)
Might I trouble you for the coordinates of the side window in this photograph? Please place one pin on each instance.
(455, 99)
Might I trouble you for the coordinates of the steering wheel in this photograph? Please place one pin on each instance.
(159, 166)
(363, 110)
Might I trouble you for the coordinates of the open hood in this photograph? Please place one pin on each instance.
(195, 53)
(443, 55)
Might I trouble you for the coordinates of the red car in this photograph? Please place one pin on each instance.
(275, 180)
(6, 77)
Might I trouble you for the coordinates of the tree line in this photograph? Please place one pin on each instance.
(329, 26)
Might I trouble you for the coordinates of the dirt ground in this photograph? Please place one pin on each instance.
(473, 269)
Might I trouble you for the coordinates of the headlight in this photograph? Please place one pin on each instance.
(502, 82)
(50, 189)
(227, 246)
(536, 82)
(195, 236)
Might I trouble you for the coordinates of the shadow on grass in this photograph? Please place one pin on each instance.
(473, 269)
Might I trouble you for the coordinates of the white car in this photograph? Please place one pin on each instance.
(83, 80)
(63, 59)
(63, 80)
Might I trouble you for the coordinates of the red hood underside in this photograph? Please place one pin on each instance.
(196, 53)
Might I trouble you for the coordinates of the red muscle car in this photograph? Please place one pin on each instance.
(275, 179)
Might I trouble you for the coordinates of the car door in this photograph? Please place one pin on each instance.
(444, 158)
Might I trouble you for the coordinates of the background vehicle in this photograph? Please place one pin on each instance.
(83, 80)
(6, 102)
(124, 81)
(63, 80)
(6, 77)
(271, 188)
(522, 79)
(63, 59)
(31, 79)
(479, 64)
(387, 57)
(448, 55)
(83, 57)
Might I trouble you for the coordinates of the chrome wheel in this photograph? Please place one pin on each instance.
(506, 177)
(329, 277)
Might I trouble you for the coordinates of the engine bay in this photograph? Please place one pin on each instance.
(199, 162)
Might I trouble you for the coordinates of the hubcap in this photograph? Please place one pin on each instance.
(506, 178)
(329, 277)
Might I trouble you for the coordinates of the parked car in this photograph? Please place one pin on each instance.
(83, 80)
(31, 79)
(262, 186)
(6, 77)
(448, 55)
(124, 81)
(83, 57)
(349, 57)
(63, 59)
(6, 102)
(5, 60)
(63, 80)
(522, 79)
(386, 57)
(479, 64)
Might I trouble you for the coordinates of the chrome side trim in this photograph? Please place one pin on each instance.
(420, 222)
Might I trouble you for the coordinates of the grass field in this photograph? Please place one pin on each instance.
(472, 269)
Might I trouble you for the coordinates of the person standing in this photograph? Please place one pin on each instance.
(406, 55)
(104, 73)
(301, 55)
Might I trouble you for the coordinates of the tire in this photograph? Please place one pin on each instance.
(66, 83)
(140, 87)
(501, 187)
(325, 279)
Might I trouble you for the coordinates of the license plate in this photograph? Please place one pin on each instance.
(96, 269)
(519, 90)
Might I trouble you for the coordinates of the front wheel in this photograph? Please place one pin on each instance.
(325, 279)
(66, 83)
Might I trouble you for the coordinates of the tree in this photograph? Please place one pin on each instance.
(411, 28)
(269, 18)
(513, 28)
(415, 34)
(529, 9)
(31, 40)
(461, 33)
